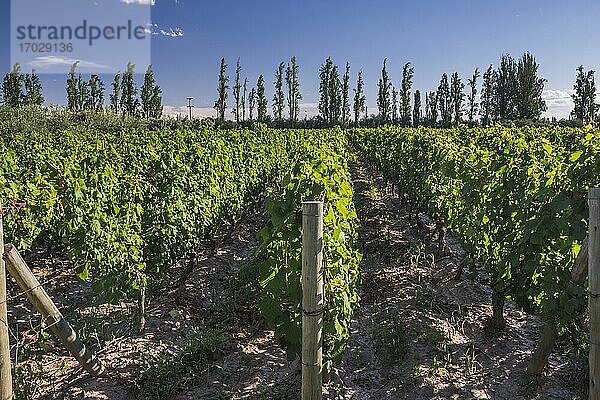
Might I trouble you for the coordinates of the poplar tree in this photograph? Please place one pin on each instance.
(488, 96)
(325, 72)
(584, 97)
(457, 96)
(116, 91)
(383, 94)
(279, 96)
(221, 103)
(431, 108)
(72, 88)
(417, 115)
(33, 90)
(529, 101)
(261, 100)
(150, 96)
(472, 97)
(244, 93)
(444, 102)
(293, 89)
(506, 88)
(96, 98)
(83, 94)
(407, 81)
(359, 98)
(237, 92)
(335, 97)
(394, 105)
(129, 103)
(252, 103)
(12, 87)
(346, 96)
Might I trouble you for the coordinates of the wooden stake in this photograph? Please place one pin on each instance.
(50, 314)
(594, 289)
(5, 371)
(312, 300)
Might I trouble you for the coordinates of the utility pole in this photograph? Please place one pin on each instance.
(190, 106)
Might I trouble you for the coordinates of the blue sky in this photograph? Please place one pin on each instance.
(435, 36)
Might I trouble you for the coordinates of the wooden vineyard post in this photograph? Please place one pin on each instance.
(312, 300)
(5, 371)
(50, 314)
(594, 289)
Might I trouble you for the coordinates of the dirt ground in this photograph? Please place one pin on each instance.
(418, 334)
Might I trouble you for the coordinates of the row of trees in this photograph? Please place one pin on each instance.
(510, 92)
(20, 89)
(287, 91)
(25, 89)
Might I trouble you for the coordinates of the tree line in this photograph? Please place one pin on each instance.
(512, 91)
(20, 89)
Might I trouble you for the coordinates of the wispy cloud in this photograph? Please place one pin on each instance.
(141, 2)
(154, 29)
(177, 32)
(52, 61)
(559, 102)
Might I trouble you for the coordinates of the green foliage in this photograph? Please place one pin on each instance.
(130, 203)
(324, 178)
(511, 194)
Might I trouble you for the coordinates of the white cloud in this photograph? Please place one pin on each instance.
(177, 32)
(141, 2)
(559, 102)
(52, 61)
(154, 29)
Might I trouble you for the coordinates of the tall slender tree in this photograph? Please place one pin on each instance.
(96, 98)
(506, 88)
(293, 88)
(261, 100)
(279, 96)
(252, 103)
(346, 96)
(129, 103)
(488, 96)
(116, 92)
(432, 108)
(359, 99)
(457, 96)
(150, 96)
(444, 101)
(83, 93)
(529, 102)
(244, 94)
(325, 72)
(221, 103)
(417, 115)
(383, 94)
(33, 90)
(72, 89)
(12, 87)
(584, 97)
(472, 97)
(237, 93)
(407, 80)
(335, 97)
